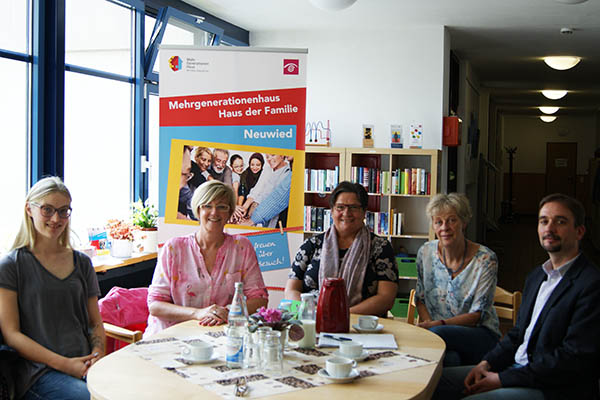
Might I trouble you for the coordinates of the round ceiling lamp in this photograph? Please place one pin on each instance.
(332, 5)
(548, 118)
(554, 94)
(548, 110)
(562, 63)
(571, 1)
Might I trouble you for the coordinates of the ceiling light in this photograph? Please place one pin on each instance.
(554, 94)
(547, 118)
(570, 1)
(562, 63)
(332, 5)
(548, 110)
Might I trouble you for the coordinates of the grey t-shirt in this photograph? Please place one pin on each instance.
(52, 311)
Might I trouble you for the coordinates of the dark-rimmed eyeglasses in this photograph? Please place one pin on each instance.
(48, 211)
(350, 207)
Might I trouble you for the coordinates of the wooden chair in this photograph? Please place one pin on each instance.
(122, 334)
(507, 304)
(412, 307)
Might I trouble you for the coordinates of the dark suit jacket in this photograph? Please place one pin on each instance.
(564, 348)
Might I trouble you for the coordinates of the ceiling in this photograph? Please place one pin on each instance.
(503, 40)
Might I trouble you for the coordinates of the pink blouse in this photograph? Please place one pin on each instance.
(181, 276)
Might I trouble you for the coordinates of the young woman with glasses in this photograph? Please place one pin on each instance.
(49, 300)
(195, 274)
(348, 250)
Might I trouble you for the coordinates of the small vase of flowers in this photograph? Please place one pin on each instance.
(121, 234)
(278, 320)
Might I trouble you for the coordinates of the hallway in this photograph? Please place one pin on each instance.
(519, 251)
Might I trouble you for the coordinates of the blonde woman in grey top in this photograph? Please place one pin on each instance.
(49, 301)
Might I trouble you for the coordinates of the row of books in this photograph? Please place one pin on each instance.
(399, 181)
(321, 180)
(318, 219)
(380, 223)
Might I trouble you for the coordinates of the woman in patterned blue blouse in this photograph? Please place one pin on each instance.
(456, 284)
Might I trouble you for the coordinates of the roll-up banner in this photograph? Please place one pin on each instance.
(236, 115)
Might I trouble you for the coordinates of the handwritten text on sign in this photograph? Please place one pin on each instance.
(271, 250)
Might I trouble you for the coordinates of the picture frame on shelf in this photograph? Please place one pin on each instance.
(368, 132)
(317, 134)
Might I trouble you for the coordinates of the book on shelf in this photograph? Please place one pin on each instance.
(321, 180)
(317, 219)
(415, 181)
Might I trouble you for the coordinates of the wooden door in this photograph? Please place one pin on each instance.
(561, 168)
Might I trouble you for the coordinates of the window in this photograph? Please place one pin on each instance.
(13, 146)
(97, 149)
(98, 112)
(100, 43)
(14, 20)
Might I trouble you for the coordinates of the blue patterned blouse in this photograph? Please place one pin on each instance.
(472, 290)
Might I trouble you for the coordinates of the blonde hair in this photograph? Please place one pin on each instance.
(26, 237)
(199, 150)
(210, 191)
(456, 202)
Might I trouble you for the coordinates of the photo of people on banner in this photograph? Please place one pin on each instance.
(262, 182)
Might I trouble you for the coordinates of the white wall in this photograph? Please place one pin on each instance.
(371, 77)
(530, 135)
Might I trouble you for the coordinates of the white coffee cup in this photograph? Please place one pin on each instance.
(339, 367)
(351, 349)
(367, 322)
(196, 350)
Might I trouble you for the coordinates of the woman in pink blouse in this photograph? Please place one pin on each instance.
(195, 274)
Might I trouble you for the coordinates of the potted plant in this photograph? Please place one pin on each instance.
(121, 235)
(144, 218)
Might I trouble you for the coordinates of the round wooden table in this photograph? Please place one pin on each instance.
(122, 375)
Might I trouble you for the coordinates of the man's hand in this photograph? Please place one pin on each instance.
(77, 366)
(481, 379)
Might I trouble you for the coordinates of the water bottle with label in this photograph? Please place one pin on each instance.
(307, 315)
(236, 328)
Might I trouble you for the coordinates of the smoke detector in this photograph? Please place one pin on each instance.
(566, 31)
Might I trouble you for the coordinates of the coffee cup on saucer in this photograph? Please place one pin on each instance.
(196, 351)
(351, 349)
(339, 367)
(368, 322)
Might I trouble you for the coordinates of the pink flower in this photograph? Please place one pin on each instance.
(270, 315)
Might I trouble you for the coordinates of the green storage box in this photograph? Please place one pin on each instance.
(407, 266)
(400, 308)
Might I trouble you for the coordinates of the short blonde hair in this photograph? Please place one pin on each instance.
(457, 202)
(210, 191)
(199, 150)
(26, 237)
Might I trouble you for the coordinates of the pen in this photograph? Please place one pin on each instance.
(336, 337)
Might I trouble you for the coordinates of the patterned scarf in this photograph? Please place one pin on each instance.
(352, 267)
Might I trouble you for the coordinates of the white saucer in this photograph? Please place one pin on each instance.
(361, 357)
(353, 375)
(194, 362)
(359, 329)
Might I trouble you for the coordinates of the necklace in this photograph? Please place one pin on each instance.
(462, 264)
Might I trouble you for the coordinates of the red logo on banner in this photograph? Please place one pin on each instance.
(291, 67)
(175, 63)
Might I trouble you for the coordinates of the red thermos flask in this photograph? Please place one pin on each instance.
(333, 314)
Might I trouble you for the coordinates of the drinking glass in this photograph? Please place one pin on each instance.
(273, 353)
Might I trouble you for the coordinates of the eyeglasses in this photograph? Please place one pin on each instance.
(219, 207)
(350, 207)
(48, 211)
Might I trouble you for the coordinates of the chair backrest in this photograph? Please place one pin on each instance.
(412, 308)
(125, 315)
(507, 304)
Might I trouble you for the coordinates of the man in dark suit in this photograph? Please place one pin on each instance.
(553, 352)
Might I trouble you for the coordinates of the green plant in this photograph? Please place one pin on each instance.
(144, 215)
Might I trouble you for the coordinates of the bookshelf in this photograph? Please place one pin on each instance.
(324, 169)
(380, 171)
